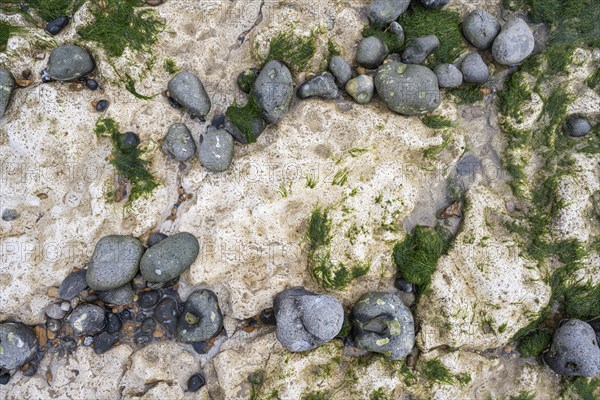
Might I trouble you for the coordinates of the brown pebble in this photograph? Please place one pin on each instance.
(361, 70)
(23, 82)
(41, 334)
(51, 335)
(49, 376)
(42, 196)
(53, 292)
(158, 333)
(485, 91)
(174, 211)
(180, 190)
(39, 54)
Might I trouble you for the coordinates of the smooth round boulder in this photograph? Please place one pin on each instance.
(383, 324)
(371, 52)
(382, 12)
(306, 320)
(514, 43)
(417, 50)
(216, 150)
(68, 62)
(114, 263)
(361, 88)
(434, 3)
(480, 28)
(201, 318)
(87, 319)
(7, 85)
(170, 257)
(18, 344)
(574, 350)
(188, 91)
(448, 76)
(322, 86)
(408, 89)
(273, 91)
(179, 143)
(578, 127)
(473, 69)
(340, 69)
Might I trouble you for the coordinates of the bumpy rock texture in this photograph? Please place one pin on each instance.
(574, 350)
(18, 344)
(322, 86)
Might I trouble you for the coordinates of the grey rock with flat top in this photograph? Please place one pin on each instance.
(187, 90)
(273, 91)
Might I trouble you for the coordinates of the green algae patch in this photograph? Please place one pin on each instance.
(47, 10)
(437, 122)
(118, 25)
(127, 161)
(296, 51)
(243, 117)
(443, 23)
(467, 94)
(170, 66)
(328, 274)
(130, 86)
(582, 388)
(6, 31)
(535, 343)
(436, 372)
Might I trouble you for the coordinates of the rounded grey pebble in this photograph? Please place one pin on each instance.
(87, 319)
(216, 150)
(480, 29)
(448, 76)
(9, 214)
(383, 324)
(201, 318)
(114, 263)
(434, 3)
(340, 69)
(72, 285)
(474, 70)
(7, 85)
(155, 238)
(169, 258)
(119, 296)
(408, 89)
(18, 344)
(382, 12)
(68, 62)
(55, 311)
(306, 320)
(418, 49)
(574, 350)
(187, 90)
(578, 127)
(179, 143)
(361, 88)
(371, 52)
(322, 86)
(514, 43)
(273, 91)
(398, 31)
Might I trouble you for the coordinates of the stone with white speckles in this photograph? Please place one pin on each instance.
(216, 150)
(170, 257)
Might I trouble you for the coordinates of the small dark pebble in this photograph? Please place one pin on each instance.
(4, 378)
(126, 315)
(154, 238)
(162, 285)
(104, 342)
(24, 7)
(142, 339)
(68, 343)
(404, 286)
(148, 326)
(9, 214)
(82, 78)
(88, 341)
(130, 139)
(200, 347)
(195, 382)
(102, 105)
(45, 76)
(148, 299)
(53, 325)
(114, 323)
(139, 282)
(218, 121)
(267, 317)
(30, 371)
(72, 285)
(166, 313)
(91, 84)
(174, 102)
(56, 25)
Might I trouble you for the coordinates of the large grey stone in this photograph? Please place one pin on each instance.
(322, 86)
(170, 257)
(18, 344)
(408, 89)
(383, 324)
(340, 69)
(306, 320)
(216, 150)
(473, 69)
(371, 52)
(382, 12)
(480, 28)
(574, 350)
(7, 85)
(87, 319)
(201, 318)
(179, 143)
(448, 76)
(68, 62)
(187, 89)
(514, 43)
(418, 49)
(115, 262)
(273, 91)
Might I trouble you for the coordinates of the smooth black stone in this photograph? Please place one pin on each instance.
(91, 84)
(142, 339)
(4, 378)
(45, 76)
(102, 105)
(104, 342)
(148, 326)
(174, 102)
(200, 347)
(218, 121)
(126, 315)
(195, 382)
(148, 299)
(404, 286)
(267, 317)
(130, 139)
(53, 325)
(68, 343)
(167, 313)
(154, 238)
(72, 285)
(113, 324)
(55, 26)
(31, 370)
